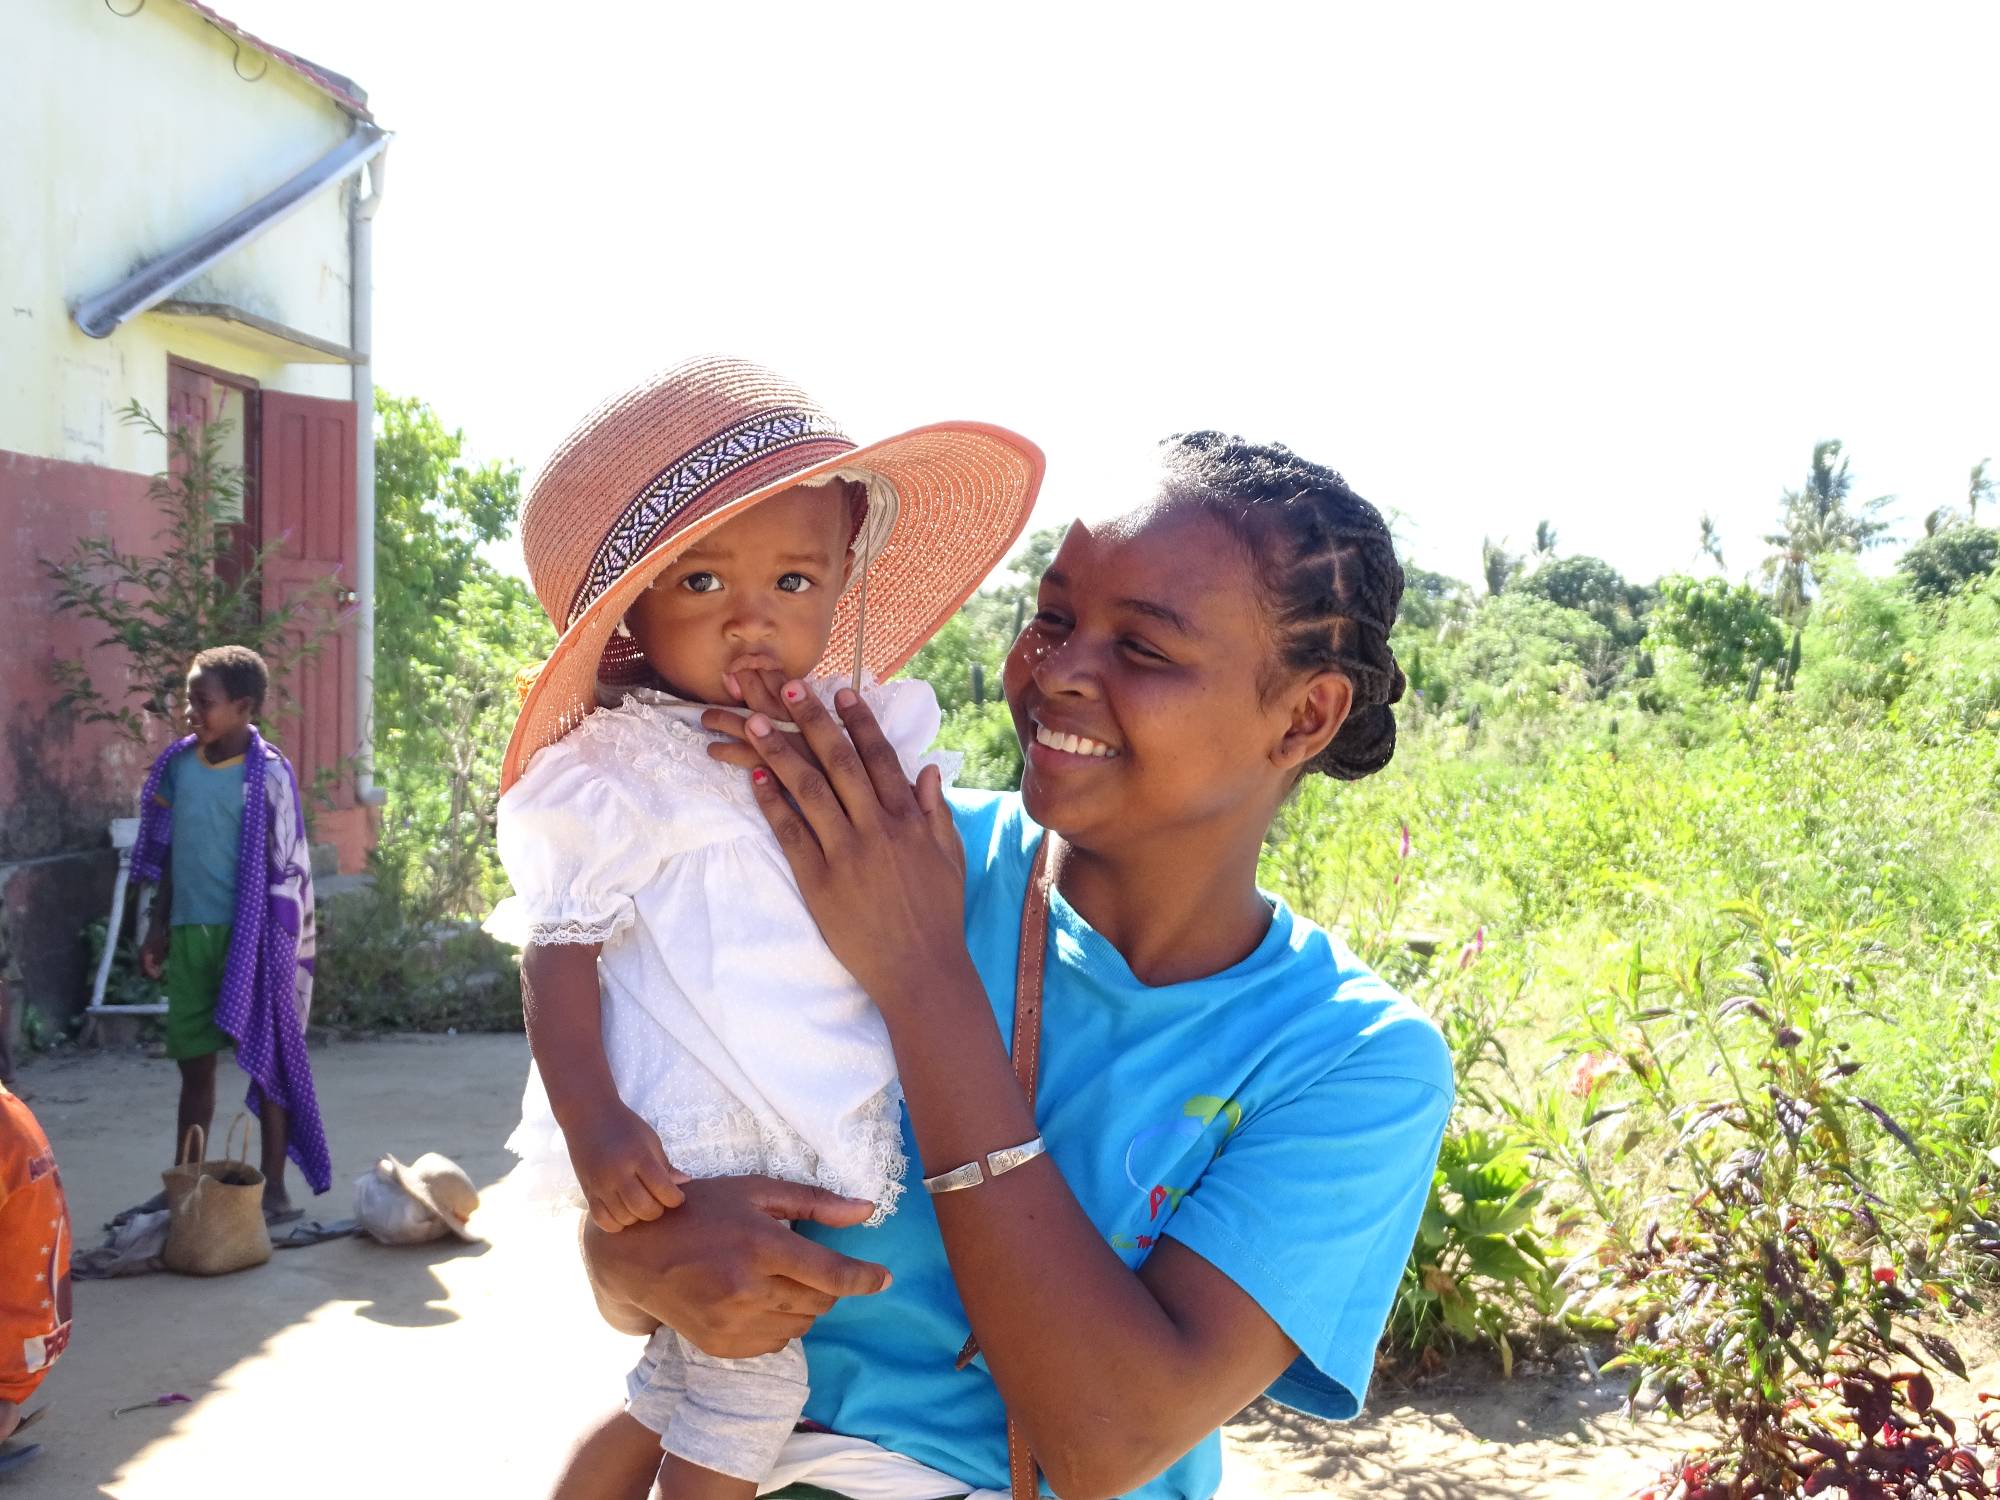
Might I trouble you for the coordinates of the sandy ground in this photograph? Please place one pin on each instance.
(461, 1370)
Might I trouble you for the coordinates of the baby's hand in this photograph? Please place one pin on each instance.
(624, 1169)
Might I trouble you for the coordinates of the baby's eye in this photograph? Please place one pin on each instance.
(795, 583)
(701, 583)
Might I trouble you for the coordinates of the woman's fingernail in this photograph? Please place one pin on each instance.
(729, 681)
(760, 776)
(794, 691)
(758, 725)
(846, 698)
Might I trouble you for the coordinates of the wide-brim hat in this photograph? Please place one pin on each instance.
(441, 1185)
(653, 470)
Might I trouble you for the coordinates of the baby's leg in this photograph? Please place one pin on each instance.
(616, 1461)
(681, 1480)
(621, 1456)
(733, 1419)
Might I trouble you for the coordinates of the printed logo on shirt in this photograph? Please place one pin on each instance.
(41, 1352)
(1162, 1163)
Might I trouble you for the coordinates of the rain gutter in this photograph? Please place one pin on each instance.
(159, 279)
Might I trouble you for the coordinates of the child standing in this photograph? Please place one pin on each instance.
(685, 1016)
(222, 831)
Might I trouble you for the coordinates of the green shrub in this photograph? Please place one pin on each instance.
(1941, 565)
(1725, 629)
(1857, 652)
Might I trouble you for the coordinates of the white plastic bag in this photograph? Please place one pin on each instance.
(391, 1215)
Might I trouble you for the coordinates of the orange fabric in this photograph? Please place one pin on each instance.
(34, 1253)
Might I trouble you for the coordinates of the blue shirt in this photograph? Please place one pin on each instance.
(1281, 1119)
(207, 803)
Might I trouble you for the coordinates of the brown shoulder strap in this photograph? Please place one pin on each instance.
(1028, 968)
(1021, 1474)
(1027, 1051)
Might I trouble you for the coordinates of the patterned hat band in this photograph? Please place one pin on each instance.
(695, 475)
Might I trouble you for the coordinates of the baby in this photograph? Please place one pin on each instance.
(685, 1016)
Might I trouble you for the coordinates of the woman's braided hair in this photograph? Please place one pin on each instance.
(1327, 568)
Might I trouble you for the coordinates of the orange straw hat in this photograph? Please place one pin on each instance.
(653, 470)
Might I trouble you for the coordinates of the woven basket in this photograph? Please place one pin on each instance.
(216, 1208)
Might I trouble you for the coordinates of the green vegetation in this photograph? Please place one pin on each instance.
(158, 609)
(451, 633)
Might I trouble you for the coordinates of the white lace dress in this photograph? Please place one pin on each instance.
(729, 1026)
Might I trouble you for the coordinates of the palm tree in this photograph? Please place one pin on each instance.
(1497, 564)
(1545, 541)
(1711, 541)
(1818, 519)
(1980, 489)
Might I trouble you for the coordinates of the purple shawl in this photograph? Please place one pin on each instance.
(267, 977)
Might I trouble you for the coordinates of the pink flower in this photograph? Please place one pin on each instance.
(1474, 948)
(1591, 1071)
(1406, 843)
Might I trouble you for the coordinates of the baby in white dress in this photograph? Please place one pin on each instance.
(728, 1038)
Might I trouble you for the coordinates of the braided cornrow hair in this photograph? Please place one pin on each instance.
(1328, 571)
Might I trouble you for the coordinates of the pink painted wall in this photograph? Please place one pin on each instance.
(59, 780)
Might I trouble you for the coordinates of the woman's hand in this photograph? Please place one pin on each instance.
(877, 860)
(725, 1270)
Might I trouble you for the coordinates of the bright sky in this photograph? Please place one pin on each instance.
(1606, 266)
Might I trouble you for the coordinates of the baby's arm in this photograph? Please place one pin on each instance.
(619, 1161)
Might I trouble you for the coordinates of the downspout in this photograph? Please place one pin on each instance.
(361, 291)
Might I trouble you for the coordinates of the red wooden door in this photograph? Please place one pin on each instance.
(307, 500)
(197, 396)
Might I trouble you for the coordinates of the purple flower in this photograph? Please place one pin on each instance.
(1474, 948)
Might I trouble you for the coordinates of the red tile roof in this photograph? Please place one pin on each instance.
(343, 91)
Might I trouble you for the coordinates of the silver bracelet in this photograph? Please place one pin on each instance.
(997, 1162)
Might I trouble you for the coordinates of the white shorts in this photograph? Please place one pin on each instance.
(729, 1415)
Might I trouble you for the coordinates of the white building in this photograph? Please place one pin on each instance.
(185, 219)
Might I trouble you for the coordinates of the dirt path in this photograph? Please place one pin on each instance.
(350, 1369)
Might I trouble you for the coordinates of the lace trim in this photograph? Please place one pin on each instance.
(670, 752)
(727, 1140)
(577, 930)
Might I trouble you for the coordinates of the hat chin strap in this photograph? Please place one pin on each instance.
(884, 505)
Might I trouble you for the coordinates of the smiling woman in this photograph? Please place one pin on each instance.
(1232, 1131)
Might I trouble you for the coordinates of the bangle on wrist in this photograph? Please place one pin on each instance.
(997, 1164)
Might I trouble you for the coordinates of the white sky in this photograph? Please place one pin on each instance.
(1602, 265)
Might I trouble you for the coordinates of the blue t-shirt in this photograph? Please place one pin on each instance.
(207, 803)
(1281, 1119)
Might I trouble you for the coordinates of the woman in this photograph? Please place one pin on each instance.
(1240, 1119)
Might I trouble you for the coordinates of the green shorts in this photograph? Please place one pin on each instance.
(196, 957)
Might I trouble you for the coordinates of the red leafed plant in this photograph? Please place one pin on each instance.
(1770, 1291)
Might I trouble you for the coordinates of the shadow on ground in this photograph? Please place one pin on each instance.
(296, 1347)
(1551, 1435)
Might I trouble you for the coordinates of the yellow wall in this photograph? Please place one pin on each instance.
(124, 138)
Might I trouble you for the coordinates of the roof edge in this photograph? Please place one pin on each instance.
(343, 91)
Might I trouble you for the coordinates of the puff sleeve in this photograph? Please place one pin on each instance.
(907, 710)
(575, 848)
